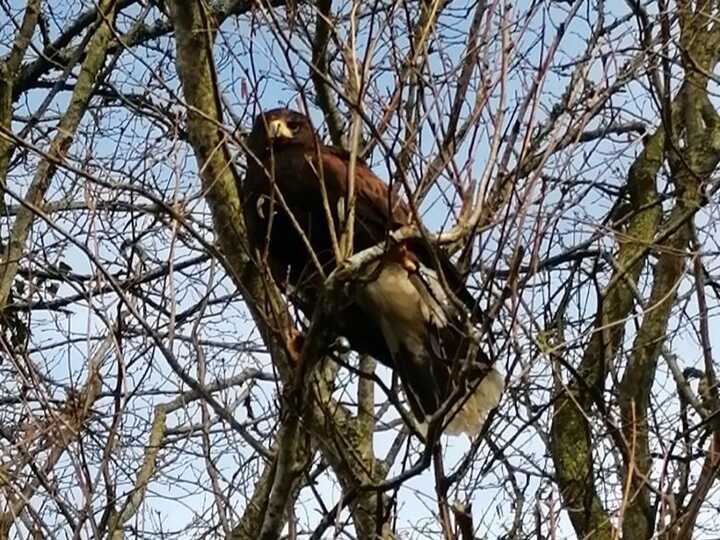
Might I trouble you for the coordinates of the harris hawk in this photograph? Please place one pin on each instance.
(400, 314)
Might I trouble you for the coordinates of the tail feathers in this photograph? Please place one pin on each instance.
(474, 410)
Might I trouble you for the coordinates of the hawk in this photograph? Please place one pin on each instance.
(401, 313)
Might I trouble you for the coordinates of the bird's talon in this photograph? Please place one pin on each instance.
(341, 345)
(405, 258)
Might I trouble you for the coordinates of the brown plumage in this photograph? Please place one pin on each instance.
(402, 317)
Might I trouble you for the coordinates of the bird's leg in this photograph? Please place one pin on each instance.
(294, 343)
(293, 393)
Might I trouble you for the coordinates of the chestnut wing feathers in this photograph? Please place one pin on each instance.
(375, 207)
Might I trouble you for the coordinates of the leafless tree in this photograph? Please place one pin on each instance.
(564, 152)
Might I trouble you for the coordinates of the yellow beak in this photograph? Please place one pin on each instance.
(278, 129)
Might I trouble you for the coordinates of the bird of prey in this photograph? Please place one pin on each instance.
(402, 314)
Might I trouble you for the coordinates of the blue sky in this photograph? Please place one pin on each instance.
(169, 169)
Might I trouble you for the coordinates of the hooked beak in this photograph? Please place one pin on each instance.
(278, 129)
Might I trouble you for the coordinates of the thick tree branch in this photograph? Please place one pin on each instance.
(94, 61)
(572, 444)
(8, 75)
(323, 90)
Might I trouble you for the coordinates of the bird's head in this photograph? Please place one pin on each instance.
(280, 127)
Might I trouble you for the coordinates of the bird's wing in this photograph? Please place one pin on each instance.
(376, 206)
(430, 343)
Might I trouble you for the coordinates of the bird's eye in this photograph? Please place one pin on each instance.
(293, 125)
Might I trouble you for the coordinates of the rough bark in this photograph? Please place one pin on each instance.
(572, 442)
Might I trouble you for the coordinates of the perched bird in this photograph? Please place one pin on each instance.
(401, 314)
